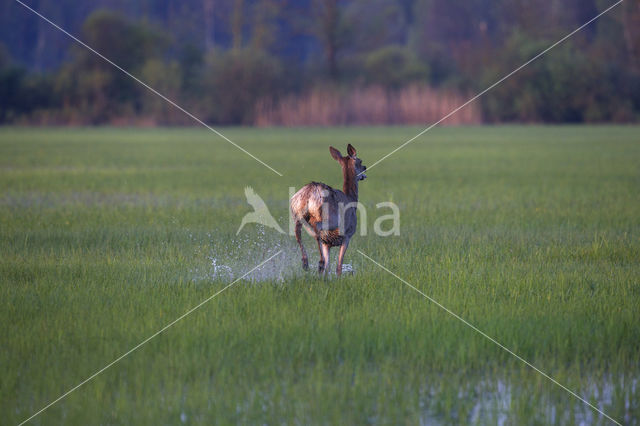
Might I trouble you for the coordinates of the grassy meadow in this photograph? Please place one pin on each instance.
(530, 233)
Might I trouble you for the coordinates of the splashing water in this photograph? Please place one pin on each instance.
(228, 261)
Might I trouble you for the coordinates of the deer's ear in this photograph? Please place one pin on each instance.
(335, 153)
(351, 150)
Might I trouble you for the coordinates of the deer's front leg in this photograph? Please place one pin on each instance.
(343, 250)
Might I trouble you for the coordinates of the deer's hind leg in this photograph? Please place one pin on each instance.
(305, 258)
(321, 261)
(323, 264)
(324, 260)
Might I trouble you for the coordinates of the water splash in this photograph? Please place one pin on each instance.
(229, 260)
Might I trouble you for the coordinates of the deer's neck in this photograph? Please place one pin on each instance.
(350, 184)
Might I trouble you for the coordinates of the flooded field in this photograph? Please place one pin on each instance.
(531, 234)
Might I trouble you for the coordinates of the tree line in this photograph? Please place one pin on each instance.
(322, 62)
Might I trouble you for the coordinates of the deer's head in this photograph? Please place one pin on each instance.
(350, 164)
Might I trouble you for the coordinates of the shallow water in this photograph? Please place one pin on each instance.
(495, 401)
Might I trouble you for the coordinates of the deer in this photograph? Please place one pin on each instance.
(328, 214)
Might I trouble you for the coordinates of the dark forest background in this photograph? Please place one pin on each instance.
(318, 62)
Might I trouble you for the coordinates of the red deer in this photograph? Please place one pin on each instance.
(329, 215)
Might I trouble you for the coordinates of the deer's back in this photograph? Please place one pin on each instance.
(306, 204)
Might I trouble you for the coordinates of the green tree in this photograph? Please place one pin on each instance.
(237, 79)
(95, 87)
(332, 30)
(565, 86)
(191, 60)
(394, 67)
(265, 14)
(22, 92)
(166, 78)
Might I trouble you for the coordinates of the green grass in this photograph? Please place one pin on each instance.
(530, 233)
